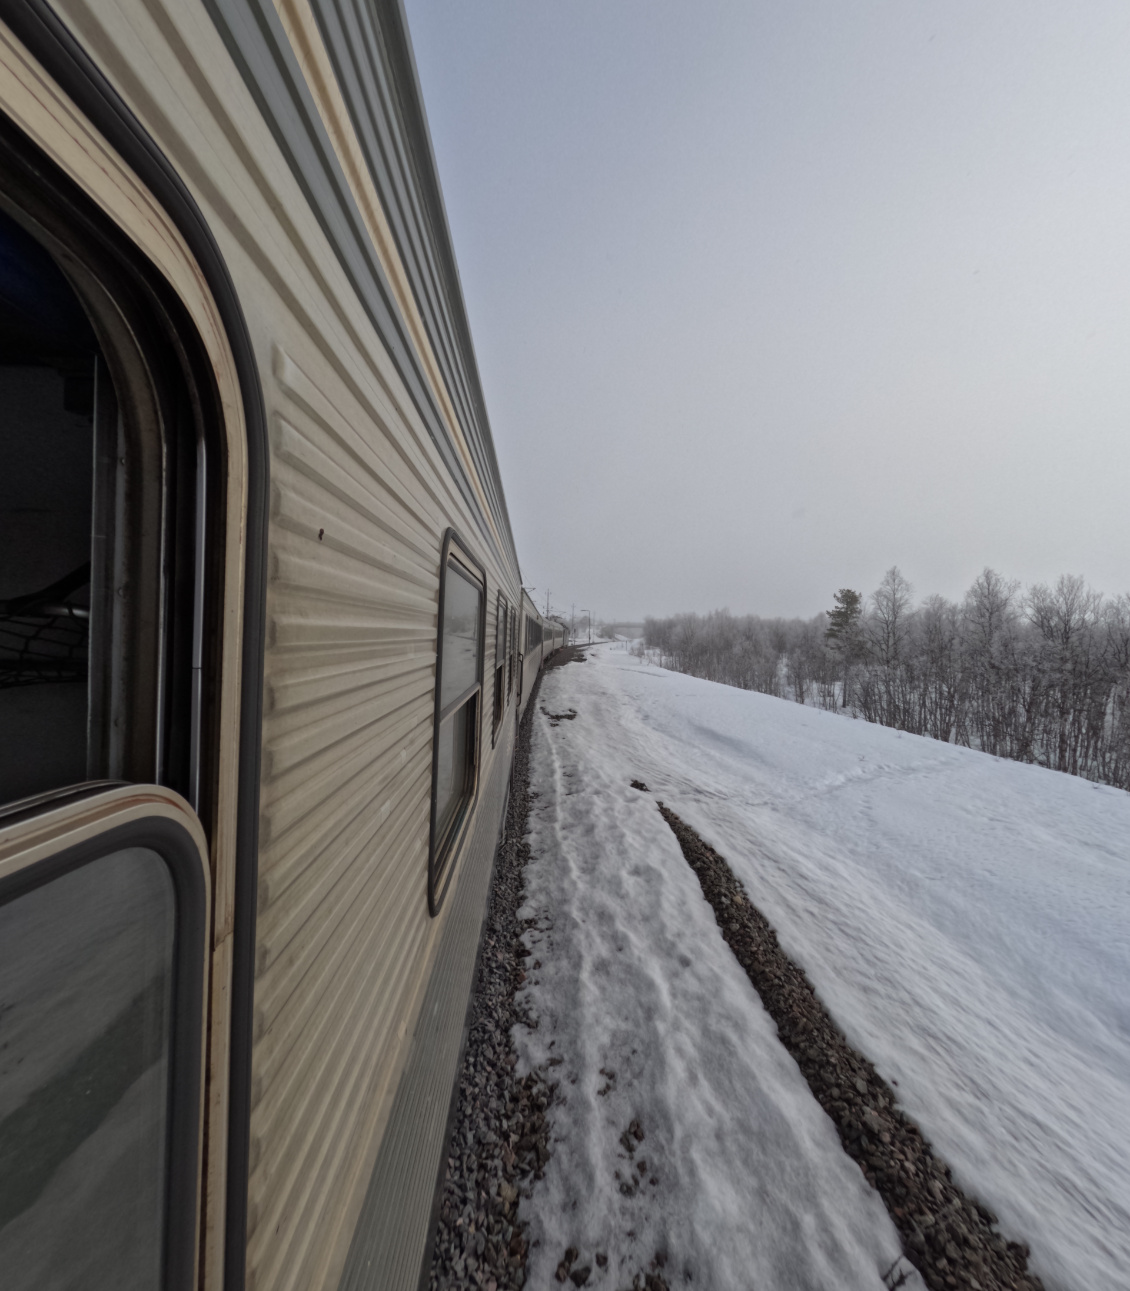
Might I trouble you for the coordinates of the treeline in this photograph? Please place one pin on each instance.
(1040, 676)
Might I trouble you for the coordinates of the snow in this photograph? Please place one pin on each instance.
(965, 919)
(644, 1015)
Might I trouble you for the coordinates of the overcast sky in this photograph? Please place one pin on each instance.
(769, 297)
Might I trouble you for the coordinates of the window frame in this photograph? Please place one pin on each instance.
(91, 824)
(443, 848)
(501, 654)
(519, 653)
(154, 722)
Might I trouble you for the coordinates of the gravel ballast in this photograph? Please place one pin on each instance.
(500, 1135)
(950, 1238)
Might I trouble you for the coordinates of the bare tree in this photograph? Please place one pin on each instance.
(885, 691)
(1042, 677)
(996, 702)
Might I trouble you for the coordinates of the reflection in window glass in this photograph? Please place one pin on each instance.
(499, 696)
(85, 979)
(454, 769)
(501, 619)
(458, 697)
(500, 632)
(461, 602)
(47, 370)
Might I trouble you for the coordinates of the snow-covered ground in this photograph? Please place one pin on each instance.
(966, 921)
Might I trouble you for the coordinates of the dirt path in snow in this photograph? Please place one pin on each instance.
(951, 1239)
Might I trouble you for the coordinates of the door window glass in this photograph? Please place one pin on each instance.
(85, 1023)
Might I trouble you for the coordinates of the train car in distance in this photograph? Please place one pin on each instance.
(263, 648)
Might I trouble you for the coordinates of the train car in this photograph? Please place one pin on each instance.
(538, 637)
(263, 648)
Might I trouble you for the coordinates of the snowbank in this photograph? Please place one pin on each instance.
(966, 920)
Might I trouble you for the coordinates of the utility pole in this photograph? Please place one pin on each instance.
(572, 621)
(547, 605)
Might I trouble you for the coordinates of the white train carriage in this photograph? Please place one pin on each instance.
(263, 648)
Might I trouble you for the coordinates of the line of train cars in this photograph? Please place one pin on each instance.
(263, 648)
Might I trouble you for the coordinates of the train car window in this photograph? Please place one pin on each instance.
(512, 643)
(48, 362)
(501, 623)
(458, 703)
(461, 635)
(100, 467)
(101, 966)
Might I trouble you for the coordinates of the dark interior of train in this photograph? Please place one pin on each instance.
(48, 358)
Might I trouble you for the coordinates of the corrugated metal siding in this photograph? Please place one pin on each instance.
(345, 948)
(369, 48)
(257, 41)
(392, 1232)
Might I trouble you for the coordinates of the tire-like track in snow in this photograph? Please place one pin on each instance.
(951, 1239)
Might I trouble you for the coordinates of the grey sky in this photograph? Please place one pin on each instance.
(769, 297)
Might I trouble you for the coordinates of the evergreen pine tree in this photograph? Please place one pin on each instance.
(844, 637)
(843, 621)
